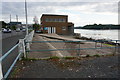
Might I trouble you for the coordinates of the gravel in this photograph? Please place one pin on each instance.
(90, 67)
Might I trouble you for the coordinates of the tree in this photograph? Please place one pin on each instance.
(36, 26)
(3, 24)
(35, 20)
(13, 27)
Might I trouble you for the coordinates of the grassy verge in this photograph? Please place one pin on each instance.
(110, 45)
(14, 72)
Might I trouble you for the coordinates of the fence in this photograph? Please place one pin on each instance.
(78, 48)
(21, 48)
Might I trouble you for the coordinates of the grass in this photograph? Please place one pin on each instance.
(54, 57)
(29, 59)
(96, 55)
(109, 45)
(69, 57)
(14, 72)
(87, 55)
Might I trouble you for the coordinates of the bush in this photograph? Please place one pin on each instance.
(87, 55)
(54, 57)
(96, 55)
(69, 57)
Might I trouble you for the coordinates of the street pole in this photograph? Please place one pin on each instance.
(10, 17)
(27, 45)
(17, 18)
(10, 21)
(26, 18)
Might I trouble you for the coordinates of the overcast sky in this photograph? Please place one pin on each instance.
(79, 12)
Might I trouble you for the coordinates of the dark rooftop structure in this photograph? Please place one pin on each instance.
(53, 15)
(14, 23)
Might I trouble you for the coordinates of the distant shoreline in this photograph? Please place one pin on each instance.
(97, 29)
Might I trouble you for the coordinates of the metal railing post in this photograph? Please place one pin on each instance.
(28, 38)
(27, 44)
(95, 44)
(101, 44)
(1, 73)
(24, 52)
(22, 48)
(115, 47)
(79, 49)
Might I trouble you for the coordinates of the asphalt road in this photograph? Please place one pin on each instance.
(8, 41)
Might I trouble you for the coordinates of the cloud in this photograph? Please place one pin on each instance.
(75, 10)
(61, 0)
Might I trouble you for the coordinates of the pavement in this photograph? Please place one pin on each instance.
(65, 45)
(55, 36)
(39, 46)
(45, 46)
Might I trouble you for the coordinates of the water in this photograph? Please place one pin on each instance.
(99, 34)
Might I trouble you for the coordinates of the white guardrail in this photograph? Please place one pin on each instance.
(21, 47)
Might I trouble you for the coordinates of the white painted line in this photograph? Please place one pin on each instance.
(57, 52)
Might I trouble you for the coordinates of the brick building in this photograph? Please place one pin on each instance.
(58, 24)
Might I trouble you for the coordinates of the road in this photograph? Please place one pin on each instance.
(8, 41)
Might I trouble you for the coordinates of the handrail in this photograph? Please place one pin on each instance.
(71, 49)
(7, 53)
(4, 56)
(9, 70)
(18, 56)
(72, 41)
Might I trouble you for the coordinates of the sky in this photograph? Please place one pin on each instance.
(80, 12)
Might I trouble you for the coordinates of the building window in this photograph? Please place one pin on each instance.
(54, 20)
(50, 20)
(57, 20)
(45, 28)
(63, 20)
(60, 20)
(47, 20)
(63, 28)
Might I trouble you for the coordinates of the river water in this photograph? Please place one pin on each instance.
(99, 34)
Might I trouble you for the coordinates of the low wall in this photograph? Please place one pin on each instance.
(77, 35)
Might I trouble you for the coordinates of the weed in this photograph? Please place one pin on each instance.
(69, 57)
(54, 57)
(109, 45)
(87, 55)
(14, 72)
(96, 55)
